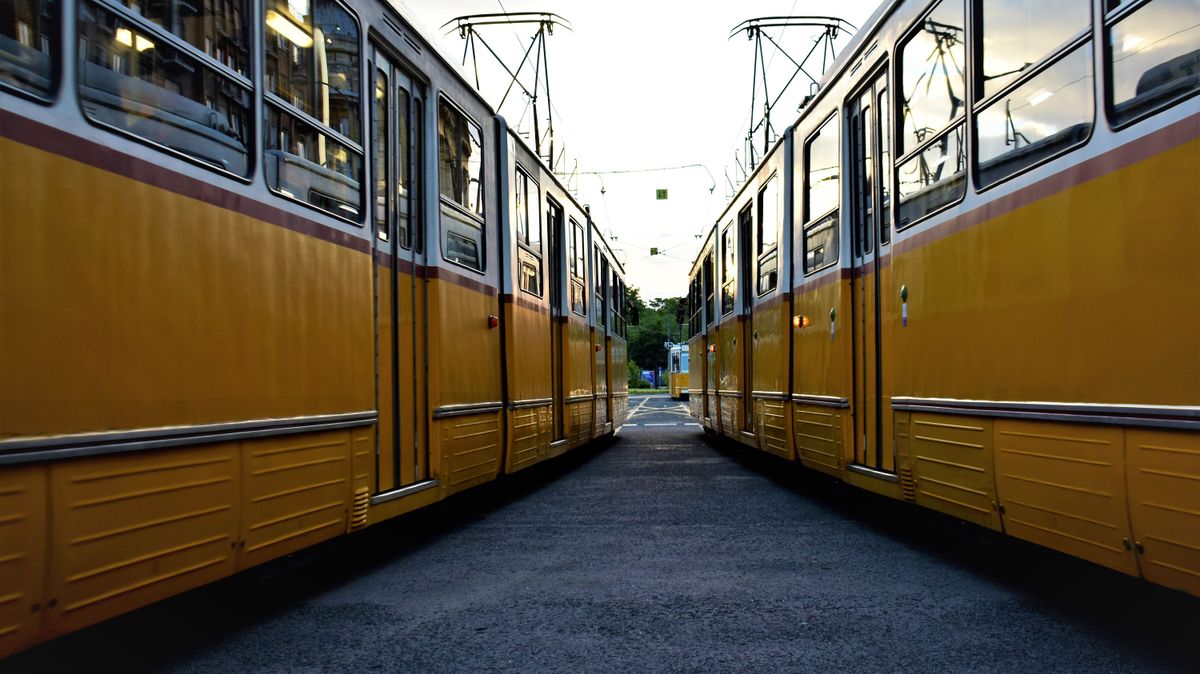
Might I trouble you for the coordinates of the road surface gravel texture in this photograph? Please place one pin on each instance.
(660, 551)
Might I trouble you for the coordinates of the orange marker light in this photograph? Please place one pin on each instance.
(801, 321)
(712, 348)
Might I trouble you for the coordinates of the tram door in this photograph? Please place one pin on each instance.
(870, 166)
(397, 127)
(555, 230)
(746, 293)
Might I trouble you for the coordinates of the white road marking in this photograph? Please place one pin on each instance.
(670, 424)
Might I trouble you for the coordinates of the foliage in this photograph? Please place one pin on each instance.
(634, 373)
(657, 318)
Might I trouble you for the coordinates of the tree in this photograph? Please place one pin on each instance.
(657, 319)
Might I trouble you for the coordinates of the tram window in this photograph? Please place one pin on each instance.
(312, 142)
(218, 29)
(1018, 34)
(460, 162)
(932, 178)
(578, 263)
(728, 270)
(932, 103)
(143, 83)
(460, 153)
(768, 237)
(530, 272)
(1050, 112)
(932, 83)
(462, 249)
(382, 131)
(885, 163)
(406, 195)
(821, 197)
(600, 308)
(312, 57)
(303, 163)
(29, 45)
(709, 294)
(617, 312)
(1154, 57)
(526, 215)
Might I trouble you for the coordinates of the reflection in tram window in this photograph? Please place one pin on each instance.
(1049, 113)
(460, 155)
(382, 130)
(312, 59)
(28, 42)
(311, 67)
(578, 262)
(728, 270)
(1018, 34)
(305, 164)
(932, 178)
(141, 84)
(932, 101)
(1155, 55)
(768, 234)
(932, 83)
(218, 29)
(821, 196)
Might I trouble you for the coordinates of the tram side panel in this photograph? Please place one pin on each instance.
(527, 317)
(770, 306)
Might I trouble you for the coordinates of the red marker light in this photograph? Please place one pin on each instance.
(597, 348)
(493, 322)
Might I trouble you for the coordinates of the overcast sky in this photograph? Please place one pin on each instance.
(646, 85)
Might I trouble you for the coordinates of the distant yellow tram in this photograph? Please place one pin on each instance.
(967, 277)
(268, 275)
(677, 370)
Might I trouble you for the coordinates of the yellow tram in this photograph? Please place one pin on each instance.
(967, 277)
(677, 370)
(264, 281)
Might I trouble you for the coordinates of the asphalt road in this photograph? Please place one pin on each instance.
(661, 551)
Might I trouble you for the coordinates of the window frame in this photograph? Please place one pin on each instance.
(963, 119)
(56, 65)
(522, 175)
(253, 119)
(771, 253)
(810, 222)
(1102, 54)
(728, 276)
(473, 219)
(1079, 41)
(578, 255)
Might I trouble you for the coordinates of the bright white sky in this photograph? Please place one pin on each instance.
(646, 85)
